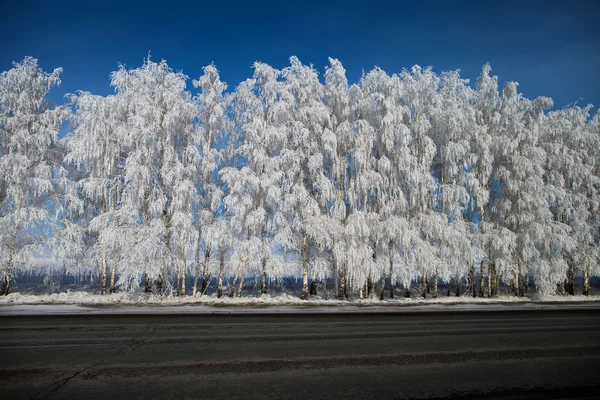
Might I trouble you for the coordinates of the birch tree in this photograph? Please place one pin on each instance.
(212, 107)
(158, 129)
(29, 156)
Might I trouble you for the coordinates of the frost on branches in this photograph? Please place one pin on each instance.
(396, 184)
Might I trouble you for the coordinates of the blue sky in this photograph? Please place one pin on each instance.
(551, 48)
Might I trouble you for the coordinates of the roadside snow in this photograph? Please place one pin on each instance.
(141, 303)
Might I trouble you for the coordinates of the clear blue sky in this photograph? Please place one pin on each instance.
(551, 48)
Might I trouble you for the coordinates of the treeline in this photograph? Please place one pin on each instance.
(410, 177)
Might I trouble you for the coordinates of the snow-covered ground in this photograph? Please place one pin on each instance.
(83, 302)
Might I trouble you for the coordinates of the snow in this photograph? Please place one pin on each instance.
(129, 303)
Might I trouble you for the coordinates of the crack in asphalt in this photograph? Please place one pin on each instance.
(135, 343)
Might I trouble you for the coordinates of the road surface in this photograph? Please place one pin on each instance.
(524, 354)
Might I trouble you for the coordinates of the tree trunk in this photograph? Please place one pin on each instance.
(235, 278)
(457, 280)
(427, 282)
(481, 279)
(407, 292)
(435, 285)
(392, 286)
(204, 286)
(11, 262)
(221, 269)
(167, 241)
(424, 286)
(147, 283)
(382, 293)
(586, 279)
(197, 269)
(520, 282)
(335, 276)
(342, 289)
(113, 274)
(242, 278)
(313, 286)
(103, 268)
(178, 281)
(183, 274)
(263, 287)
(494, 279)
(304, 295)
(472, 280)
(570, 276)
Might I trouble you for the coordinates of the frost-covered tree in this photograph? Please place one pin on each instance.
(157, 128)
(336, 154)
(212, 108)
(570, 172)
(253, 190)
(305, 186)
(521, 204)
(96, 151)
(29, 157)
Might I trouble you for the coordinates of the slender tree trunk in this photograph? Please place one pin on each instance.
(178, 281)
(221, 269)
(472, 280)
(570, 276)
(147, 283)
(263, 287)
(242, 278)
(197, 269)
(392, 286)
(494, 278)
(167, 241)
(427, 282)
(370, 287)
(235, 278)
(103, 267)
(481, 279)
(335, 275)
(147, 216)
(346, 283)
(489, 279)
(113, 274)
(457, 280)
(342, 292)
(424, 286)
(382, 293)
(407, 292)
(435, 285)
(11, 261)
(304, 295)
(183, 273)
(520, 282)
(586, 279)
(204, 286)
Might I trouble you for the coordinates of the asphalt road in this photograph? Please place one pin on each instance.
(524, 354)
